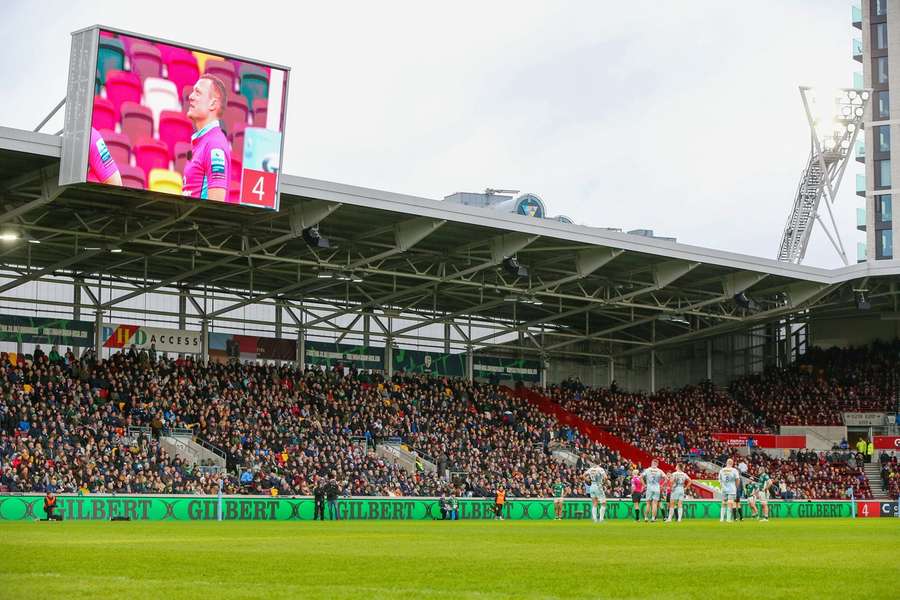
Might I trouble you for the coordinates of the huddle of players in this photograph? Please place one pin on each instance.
(647, 486)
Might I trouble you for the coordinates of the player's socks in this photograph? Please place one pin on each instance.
(637, 514)
(602, 511)
(594, 514)
(722, 514)
(679, 511)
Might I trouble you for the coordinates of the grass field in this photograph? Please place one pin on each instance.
(464, 559)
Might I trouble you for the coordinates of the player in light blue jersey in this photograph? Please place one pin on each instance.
(597, 477)
(680, 481)
(652, 477)
(728, 477)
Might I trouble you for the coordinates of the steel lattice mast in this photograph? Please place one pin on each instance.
(831, 144)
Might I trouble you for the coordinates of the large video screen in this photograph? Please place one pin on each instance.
(172, 119)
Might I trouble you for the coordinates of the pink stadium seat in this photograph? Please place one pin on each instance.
(260, 112)
(151, 154)
(235, 113)
(237, 141)
(174, 127)
(133, 177)
(182, 151)
(224, 70)
(146, 60)
(137, 122)
(105, 115)
(182, 68)
(122, 86)
(119, 146)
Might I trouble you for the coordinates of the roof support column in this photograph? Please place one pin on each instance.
(709, 360)
(76, 308)
(470, 363)
(204, 340)
(653, 360)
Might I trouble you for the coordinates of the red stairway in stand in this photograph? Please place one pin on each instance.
(601, 436)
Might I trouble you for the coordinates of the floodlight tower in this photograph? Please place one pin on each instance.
(833, 133)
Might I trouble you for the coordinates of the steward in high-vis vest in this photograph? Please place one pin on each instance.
(499, 501)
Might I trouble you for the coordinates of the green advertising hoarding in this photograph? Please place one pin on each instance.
(330, 354)
(41, 330)
(433, 363)
(516, 369)
(265, 508)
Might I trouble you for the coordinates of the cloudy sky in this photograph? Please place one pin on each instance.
(682, 116)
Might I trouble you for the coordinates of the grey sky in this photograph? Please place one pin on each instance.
(678, 115)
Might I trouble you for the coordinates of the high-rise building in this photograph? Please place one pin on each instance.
(879, 22)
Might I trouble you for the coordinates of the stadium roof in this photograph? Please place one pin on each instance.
(403, 253)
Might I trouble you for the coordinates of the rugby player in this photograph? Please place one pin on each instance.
(597, 476)
(559, 494)
(761, 494)
(652, 477)
(679, 480)
(208, 172)
(728, 477)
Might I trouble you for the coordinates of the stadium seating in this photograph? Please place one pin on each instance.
(105, 115)
(164, 180)
(121, 87)
(146, 60)
(235, 113)
(182, 68)
(237, 141)
(174, 127)
(160, 95)
(823, 384)
(182, 151)
(185, 97)
(260, 112)
(254, 83)
(119, 146)
(202, 58)
(137, 122)
(224, 70)
(132, 177)
(151, 154)
(110, 57)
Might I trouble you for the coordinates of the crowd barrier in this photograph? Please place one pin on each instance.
(266, 508)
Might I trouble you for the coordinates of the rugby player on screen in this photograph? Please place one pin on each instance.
(102, 167)
(653, 477)
(208, 172)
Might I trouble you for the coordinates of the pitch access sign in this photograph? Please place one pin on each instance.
(148, 114)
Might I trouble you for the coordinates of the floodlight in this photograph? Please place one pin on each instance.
(314, 239)
(8, 236)
(513, 267)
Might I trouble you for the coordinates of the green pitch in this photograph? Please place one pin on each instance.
(464, 559)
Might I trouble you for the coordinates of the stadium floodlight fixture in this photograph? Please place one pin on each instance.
(32, 240)
(314, 239)
(8, 236)
(91, 248)
(512, 266)
(511, 298)
(115, 250)
(325, 275)
(356, 277)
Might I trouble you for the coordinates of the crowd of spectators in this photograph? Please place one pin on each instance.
(890, 474)
(65, 422)
(823, 384)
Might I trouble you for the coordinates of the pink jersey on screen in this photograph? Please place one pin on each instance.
(210, 163)
(101, 165)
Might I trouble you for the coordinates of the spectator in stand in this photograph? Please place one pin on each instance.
(331, 495)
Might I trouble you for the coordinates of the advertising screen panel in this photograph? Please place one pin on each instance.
(175, 119)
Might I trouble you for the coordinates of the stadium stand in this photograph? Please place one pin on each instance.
(64, 424)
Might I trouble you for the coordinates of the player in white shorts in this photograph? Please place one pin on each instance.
(652, 477)
(597, 476)
(728, 477)
(679, 480)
